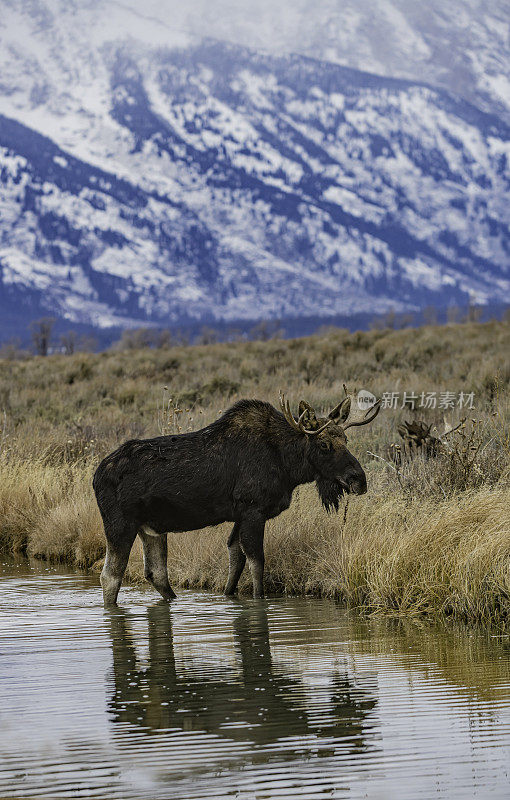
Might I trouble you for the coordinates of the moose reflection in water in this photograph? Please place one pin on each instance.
(257, 702)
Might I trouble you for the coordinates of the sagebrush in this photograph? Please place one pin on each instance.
(431, 536)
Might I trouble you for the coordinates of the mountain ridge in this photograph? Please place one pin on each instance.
(243, 185)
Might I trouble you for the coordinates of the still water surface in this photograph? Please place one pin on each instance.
(217, 698)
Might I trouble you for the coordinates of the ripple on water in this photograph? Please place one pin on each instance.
(216, 698)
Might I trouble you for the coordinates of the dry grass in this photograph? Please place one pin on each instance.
(388, 556)
(49, 512)
(433, 538)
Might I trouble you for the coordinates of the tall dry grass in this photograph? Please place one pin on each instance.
(429, 537)
(49, 512)
(389, 555)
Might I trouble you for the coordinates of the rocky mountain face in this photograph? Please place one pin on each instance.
(149, 176)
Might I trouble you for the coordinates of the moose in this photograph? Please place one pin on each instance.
(417, 439)
(242, 468)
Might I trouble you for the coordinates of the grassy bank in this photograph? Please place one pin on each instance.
(432, 537)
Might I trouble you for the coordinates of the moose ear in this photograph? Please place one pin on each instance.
(307, 416)
(341, 411)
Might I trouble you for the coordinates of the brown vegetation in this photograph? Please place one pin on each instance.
(432, 536)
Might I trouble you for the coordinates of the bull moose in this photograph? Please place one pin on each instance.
(242, 468)
(417, 439)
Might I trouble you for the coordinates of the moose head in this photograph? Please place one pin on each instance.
(418, 438)
(336, 470)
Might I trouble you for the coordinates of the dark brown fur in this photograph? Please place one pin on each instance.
(242, 468)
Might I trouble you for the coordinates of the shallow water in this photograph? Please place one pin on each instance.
(217, 698)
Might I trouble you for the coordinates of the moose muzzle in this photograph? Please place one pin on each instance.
(354, 482)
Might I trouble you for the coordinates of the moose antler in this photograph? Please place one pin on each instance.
(363, 418)
(285, 407)
(298, 424)
(418, 439)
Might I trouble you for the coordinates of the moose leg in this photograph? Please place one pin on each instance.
(252, 542)
(154, 560)
(236, 561)
(115, 563)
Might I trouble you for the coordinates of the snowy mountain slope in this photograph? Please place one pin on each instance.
(460, 45)
(156, 177)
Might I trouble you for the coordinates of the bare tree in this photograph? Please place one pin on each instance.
(135, 339)
(207, 336)
(40, 331)
(266, 329)
(473, 313)
(141, 338)
(68, 342)
(163, 338)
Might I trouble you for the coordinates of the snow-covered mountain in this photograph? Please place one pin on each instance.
(147, 174)
(460, 45)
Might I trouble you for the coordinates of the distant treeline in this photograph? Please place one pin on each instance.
(47, 335)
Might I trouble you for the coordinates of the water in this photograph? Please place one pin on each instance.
(217, 698)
